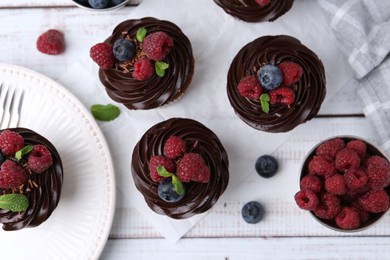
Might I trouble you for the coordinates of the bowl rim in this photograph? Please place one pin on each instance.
(103, 9)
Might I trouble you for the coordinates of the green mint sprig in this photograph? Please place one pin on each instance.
(141, 33)
(23, 152)
(105, 112)
(160, 68)
(14, 202)
(264, 102)
(178, 185)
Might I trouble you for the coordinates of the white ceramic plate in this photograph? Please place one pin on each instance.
(80, 225)
(101, 10)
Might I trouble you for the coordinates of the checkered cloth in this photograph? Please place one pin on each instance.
(362, 28)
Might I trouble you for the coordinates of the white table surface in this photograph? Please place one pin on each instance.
(285, 233)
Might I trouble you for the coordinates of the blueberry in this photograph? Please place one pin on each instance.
(124, 50)
(2, 158)
(98, 4)
(252, 212)
(266, 166)
(270, 76)
(116, 2)
(166, 191)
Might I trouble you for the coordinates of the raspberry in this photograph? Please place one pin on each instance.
(10, 142)
(101, 53)
(320, 166)
(329, 206)
(12, 175)
(348, 218)
(155, 162)
(282, 95)
(306, 199)
(378, 176)
(347, 159)
(378, 160)
(51, 42)
(202, 175)
(174, 147)
(363, 215)
(330, 148)
(143, 69)
(335, 184)
(157, 45)
(39, 159)
(291, 72)
(311, 182)
(358, 146)
(262, 3)
(355, 179)
(189, 166)
(249, 87)
(374, 201)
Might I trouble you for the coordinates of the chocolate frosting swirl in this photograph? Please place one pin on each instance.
(44, 196)
(198, 197)
(250, 11)
(156, 91)
(309, 90)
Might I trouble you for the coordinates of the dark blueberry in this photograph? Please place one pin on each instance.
(266, 166)
(116, 2)
(124, 50)
(166, 191)
(270, 76)
(252, 212)
(98, 4)
(2, 158)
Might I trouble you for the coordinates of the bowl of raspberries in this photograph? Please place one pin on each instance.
(344, 183)
(100, 5)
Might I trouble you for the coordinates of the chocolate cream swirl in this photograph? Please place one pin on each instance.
(156, 91)
(250, 11)
(199, 197)
(309, 90)
(42, 190)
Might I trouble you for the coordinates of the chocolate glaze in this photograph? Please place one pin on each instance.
(156, 91)
(199, 197)
(309, 90)
(44, 198)
(250, 11)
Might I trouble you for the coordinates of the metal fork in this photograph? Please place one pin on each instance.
(11, 100)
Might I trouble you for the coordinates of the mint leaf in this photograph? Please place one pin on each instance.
(160, 68)
(141, 33)
(22, 152)
(105, 112)
(163, 172)
(264, 101)
(177, 184)
(14, 202)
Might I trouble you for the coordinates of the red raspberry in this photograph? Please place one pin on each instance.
(101, 53)
(306, 199)
(321, 166)
(39, 159)
(348, 218)
(51, 42)
(202, 175)
(155, 162)
(249, 87)
(378, 176)
(12, 175)
(374, 201)
(347, 159)
(282, 95)
(157, 45)
(363, 215)
(189, 166)
(329, 206)
(174, 147)
(378, 160)
(357, 145)
(10, 142)
(291, 72)
(330, 148)
(335, 184)
(311, 182)
(262, 3)
(143, 69)
(355, 179)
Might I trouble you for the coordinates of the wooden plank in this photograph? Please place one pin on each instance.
(45, 3)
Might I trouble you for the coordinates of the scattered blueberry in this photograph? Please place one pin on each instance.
(98, 4)
(116, 2)
(166, 191)
(270, 76)
(266, 166)
(124, 50)
(252, 212)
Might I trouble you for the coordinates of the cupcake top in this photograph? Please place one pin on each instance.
(295, 92)
(255, 10)
(31, 172)
(200, 150)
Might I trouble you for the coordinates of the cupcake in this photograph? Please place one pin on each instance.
(275, 83)
(146, 63)
(180, 167)
(255, 10)
(30, 178)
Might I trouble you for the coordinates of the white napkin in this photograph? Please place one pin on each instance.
(216, 38)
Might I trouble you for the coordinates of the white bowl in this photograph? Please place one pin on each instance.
(110, 8)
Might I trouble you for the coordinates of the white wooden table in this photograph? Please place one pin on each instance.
(285, 233)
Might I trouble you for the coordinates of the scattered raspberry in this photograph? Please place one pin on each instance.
(378, 176)
(329, 206)
(378, 160)
(358, 146)
(291, 72)
(347, 159)
(157, 45)
(282, 95)
(374, 201)
(306, 199)
(143, 69)
(262, 3)
(348, 218)
(320, 166)
(51, 42)
(12, 175)
(249, 87)
(202, 175)
(355, 179)
(330, 148)
(335, 184)
(311, 182)
(39, 159)
(189, 167)
(10, 142)
(155, 162)
(174, 147)
(101, 53)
